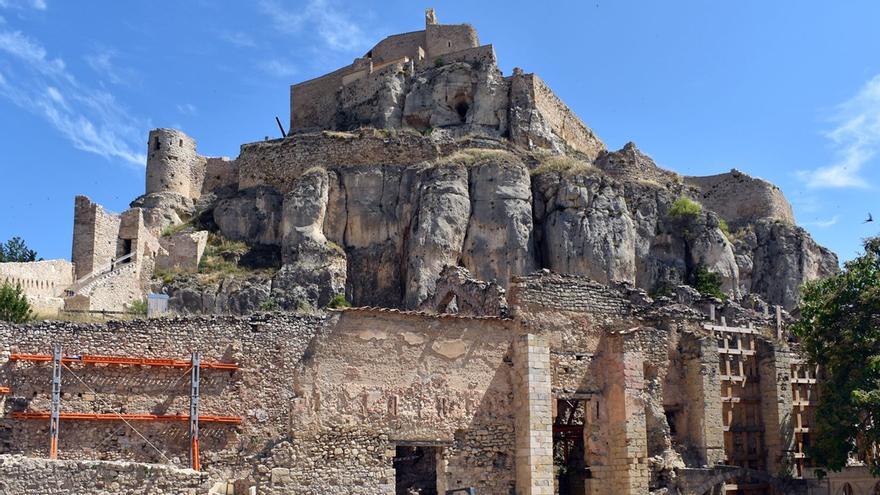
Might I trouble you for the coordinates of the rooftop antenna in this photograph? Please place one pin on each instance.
(278, 121)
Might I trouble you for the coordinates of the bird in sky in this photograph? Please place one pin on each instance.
(870, 218)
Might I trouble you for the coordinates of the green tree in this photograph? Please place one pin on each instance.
(15, 249)
(14, 306)
(839, 328)
(708, 283)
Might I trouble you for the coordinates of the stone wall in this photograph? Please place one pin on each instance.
(397, 46)
(39, 278)
(740, 198)
(568, 293)
(173, 165)
(28, 475)
(319, 397)
(220, 173)
(447, 38)
(43, 282)
(95, 236)
(565, 124)
(278, 162)
(182, 251)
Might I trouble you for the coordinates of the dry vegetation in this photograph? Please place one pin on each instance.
(563, 164)
(470, 157)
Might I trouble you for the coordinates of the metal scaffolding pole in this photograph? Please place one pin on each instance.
(194, 412)
(55, 411)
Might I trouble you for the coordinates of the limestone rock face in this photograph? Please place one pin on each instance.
(500, 242)
(163, 209)
(783, 257)
(253, 215)
(586, 227)
(455, 94)
(710, 248)
(437, 230)
(314, 269)
(383, 233)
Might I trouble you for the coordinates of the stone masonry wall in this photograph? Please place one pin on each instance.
(447, 38)
(43, 282)
(95, 236)
(173, 165)
(28, 475)
(323, 406)
(39, 278)
(277, 163)
(447, 385)
(564, 122)
(568, 293)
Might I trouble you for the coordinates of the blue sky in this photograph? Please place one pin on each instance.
(788, 90)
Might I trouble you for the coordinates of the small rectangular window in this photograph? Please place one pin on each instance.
(156, 142)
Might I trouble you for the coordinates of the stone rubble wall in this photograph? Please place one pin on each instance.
(568, 293)
(67, 477)
(220, 173)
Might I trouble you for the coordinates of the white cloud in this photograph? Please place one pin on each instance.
(187, 108)
(278, 68)
(19, 4)
(824, 223)
(238, 39)
(856, 140)
(330, 23)
(102, 63)
(92, 120)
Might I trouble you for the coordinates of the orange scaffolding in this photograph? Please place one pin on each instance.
(55, 415)
(130, 417)
(132, 361)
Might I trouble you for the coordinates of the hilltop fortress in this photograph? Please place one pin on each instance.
(532, 312)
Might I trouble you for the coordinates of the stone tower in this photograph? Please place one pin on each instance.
(173, 164)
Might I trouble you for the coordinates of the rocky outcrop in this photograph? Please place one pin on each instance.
(500, 236)
(741, 199)
(314, 269)
(777, 258)
(586, 227)
(381, 234)
(253, 215)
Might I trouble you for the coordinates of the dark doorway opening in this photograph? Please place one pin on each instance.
(569, 452)
(126, 249)
(415, 470)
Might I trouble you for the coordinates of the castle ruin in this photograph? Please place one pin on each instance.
(521, 323)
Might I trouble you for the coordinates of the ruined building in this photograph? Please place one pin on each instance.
(522, 319)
